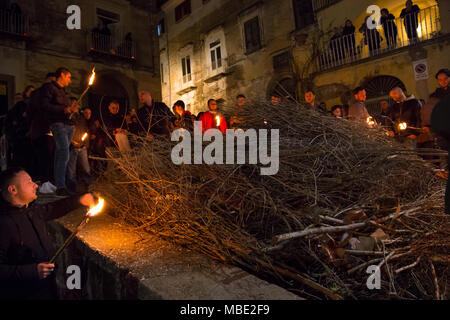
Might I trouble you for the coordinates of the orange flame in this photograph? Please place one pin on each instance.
(370, 122)
(218, 120)
(97, 208)
(84, 136)
(91, 79)
(402, 126)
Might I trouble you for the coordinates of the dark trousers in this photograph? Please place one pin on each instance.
(44, 151)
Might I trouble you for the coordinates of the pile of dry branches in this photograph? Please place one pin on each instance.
(345, 197)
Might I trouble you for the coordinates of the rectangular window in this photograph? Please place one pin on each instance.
(303, 13)
(282, 61)
(252, 35)
(186, 68)
(216, 55)
(182, 10)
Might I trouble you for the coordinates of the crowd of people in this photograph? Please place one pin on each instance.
(343, 44)
(55, 141)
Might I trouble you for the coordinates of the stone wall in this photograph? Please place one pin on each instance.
(118, 262)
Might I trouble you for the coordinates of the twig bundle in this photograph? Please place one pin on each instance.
(337, 181)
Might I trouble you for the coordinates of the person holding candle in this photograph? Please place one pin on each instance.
(184, 119)
(404, 110)
(25, 245)
(78, 150)
(212, 119)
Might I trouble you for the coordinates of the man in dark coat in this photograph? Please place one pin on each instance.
(411, 20)
(153, 117)
(387, 20)
(405, 110)
(25, 246)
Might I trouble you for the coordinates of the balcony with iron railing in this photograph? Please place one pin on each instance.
(391, 36)
(12, 23)
(321, 4)
(113, 46)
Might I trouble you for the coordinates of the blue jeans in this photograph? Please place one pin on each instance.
(78, 156)
(62, 133)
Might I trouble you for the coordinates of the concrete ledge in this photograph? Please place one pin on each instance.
(117, 263)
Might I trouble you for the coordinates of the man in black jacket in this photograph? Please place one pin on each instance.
(404, 110)
(57, 105)
(41, 137)
(25, 246)
(153, 117)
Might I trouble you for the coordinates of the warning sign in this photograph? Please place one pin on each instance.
(421, 69)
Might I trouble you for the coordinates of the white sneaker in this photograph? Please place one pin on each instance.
(47, 187)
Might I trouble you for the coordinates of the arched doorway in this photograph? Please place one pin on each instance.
(378, 89)
(106, 89)
(284, 88)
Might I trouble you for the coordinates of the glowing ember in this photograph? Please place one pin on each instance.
(218, 120)
(402, 126)
(91, 79)
(96, 209)
(84, 136)
(370, 122)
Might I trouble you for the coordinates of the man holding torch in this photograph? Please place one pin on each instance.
(25, 245)
(56, 104)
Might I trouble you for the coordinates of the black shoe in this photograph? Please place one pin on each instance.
(63, 192)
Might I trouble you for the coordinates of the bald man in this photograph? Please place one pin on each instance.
(404, 109)
(153, 117)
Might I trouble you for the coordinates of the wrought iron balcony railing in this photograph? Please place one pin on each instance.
(13, 23)
(320, 4)
(110, 45)
(391, 35)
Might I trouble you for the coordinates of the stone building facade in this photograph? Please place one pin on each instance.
(220, 48)
(118, 37)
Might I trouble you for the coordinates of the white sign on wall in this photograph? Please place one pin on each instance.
(421, 69)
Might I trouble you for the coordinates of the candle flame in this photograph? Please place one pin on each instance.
(218, 120)
(370, 122)
(402, 126)
(97, 208)
(84, 136)
(91, 79)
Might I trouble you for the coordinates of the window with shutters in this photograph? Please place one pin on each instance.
(182, 10)
(252, 35)
(303, 13)
(186, 68)
(216, 55)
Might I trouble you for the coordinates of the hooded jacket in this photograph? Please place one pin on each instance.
(24, 243)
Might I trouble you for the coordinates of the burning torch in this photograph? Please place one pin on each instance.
(93, 211)
(403, 126)
(91, 82)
